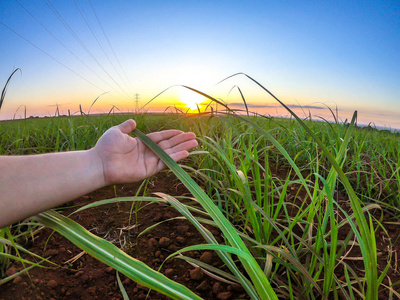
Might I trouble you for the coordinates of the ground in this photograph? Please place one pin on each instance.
(83, 277)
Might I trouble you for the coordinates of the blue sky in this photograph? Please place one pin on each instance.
(341, 53)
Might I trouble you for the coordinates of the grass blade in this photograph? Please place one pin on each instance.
(114, 257)
(258, 277)
(3, 93)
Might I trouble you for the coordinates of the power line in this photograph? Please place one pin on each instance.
(70, 51)
(108, 41)
(98, 42)
(59, 16)
(53, 58)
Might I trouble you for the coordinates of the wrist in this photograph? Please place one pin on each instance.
(96, 165)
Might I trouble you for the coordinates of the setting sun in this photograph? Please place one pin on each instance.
(191, 100)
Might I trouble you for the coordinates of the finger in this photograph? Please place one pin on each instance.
(127, 127)
(157, 137)
(176, 140)
(185, 146)
(177, 156)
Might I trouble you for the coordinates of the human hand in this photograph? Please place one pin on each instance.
(127, 159)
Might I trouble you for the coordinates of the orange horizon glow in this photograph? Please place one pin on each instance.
(365, 117)
(183, 101)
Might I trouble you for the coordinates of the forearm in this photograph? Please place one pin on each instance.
(35, 183)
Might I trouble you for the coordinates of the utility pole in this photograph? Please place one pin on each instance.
(137, 96)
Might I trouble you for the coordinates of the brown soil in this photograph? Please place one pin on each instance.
(87, 278)
(83, 277)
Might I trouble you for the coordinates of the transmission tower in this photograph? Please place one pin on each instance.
(137, 96)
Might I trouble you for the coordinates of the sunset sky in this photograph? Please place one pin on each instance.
(343, 54)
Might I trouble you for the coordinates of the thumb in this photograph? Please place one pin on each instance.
(127, 127)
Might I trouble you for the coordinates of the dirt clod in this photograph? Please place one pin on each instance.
(169, 272)
(158, 217)
(11, 271)
(217, 287)
(182, 229)
(237, 288)
(206, 257)
(152, 243)
(181, 240)
(50, 252)
(164, 242)
(52, 284)
(17, 279)
(203, 286)
(196, 274)
(173, 248)
(224, 296)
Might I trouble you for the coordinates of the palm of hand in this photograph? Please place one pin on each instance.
(127, 159)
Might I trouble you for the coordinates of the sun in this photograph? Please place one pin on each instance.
(191, 100)
(191, 104)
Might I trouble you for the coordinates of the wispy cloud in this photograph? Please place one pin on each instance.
(306, 106)
(59, 105)
(253, 105)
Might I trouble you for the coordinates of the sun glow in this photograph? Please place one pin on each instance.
(191, 100)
